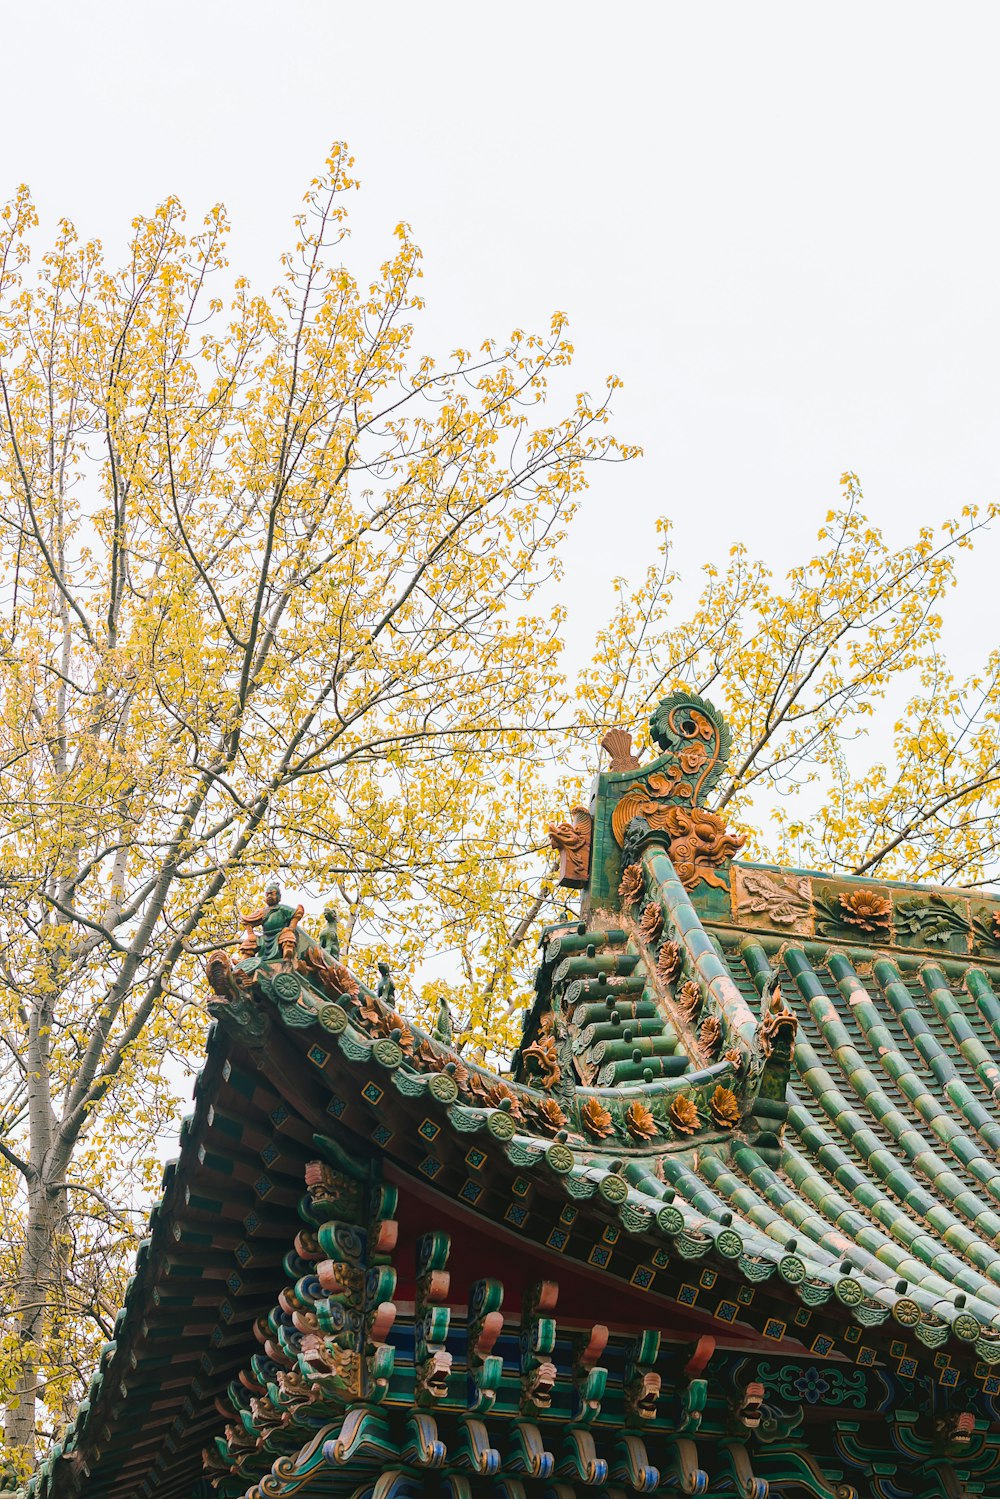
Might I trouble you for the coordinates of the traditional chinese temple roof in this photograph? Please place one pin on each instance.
(730, 1225)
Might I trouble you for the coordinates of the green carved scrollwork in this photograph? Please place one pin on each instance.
(690, 729)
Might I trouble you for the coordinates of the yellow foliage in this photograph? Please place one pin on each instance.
(267, 570)
(803, 669)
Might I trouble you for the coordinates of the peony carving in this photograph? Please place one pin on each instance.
(596, 1118)
(710, 1035)
(689, 998)
(668, 963)
(639, 1121)
(633, 883)
(380, 1022)
(724, 1108)
(550, 1114)
(867, 909)
(684, 1115)
(338, 980)
(651, 924)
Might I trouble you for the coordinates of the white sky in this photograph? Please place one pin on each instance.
(777, 222)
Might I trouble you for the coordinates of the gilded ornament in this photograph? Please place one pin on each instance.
(779, 1022)
(684, 1115)
(699, 843)
(734, 1057)
(651, 924)
(337, 980)
(668, 962)
(633, 883)
(697, 840)
(572, 842)
(544, 1059)
(596, 1118)
(618, 743)
(695, 734)
(867, 909)
(689, 998)
(639, 1121)
(710, 1035)
(724, 1108)
(550, 1114)
(499, 1096)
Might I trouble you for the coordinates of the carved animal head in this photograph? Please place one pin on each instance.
(434, 1372)
(219, 969)
(747, 1409)
(540, 1383)
(957, 1429)
(644, 1395)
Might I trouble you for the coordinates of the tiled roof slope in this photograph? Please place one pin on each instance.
(752, 1109)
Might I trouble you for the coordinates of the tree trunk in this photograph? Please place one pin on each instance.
(35, 1287)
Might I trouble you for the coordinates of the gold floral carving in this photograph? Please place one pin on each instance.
(724, 1108)
(668, 963)
(494, 1095)
(639, 1121)
(499, 1096)
(550, 1114)
(633, 883)
(435, 1059)
(337, 979)
(382, 1022)
(689, 998)
(683, 1115)
(867, 909)
(596, 1118)
(651, 924)
(734, 1057)
(710, 1035)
